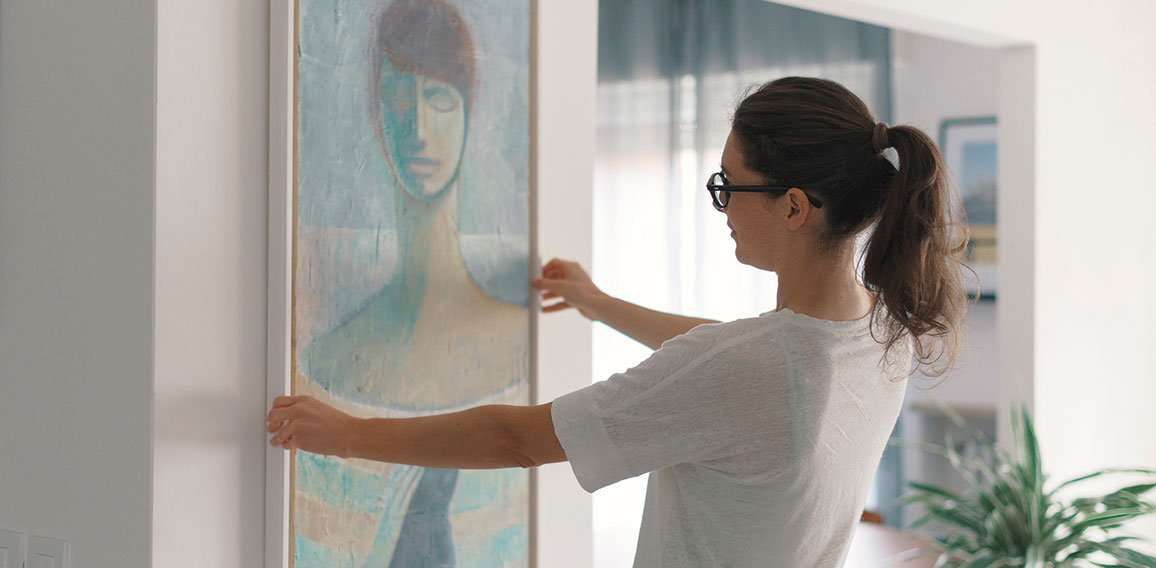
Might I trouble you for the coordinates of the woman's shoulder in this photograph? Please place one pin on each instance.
(778, 324)
(780, 343)
(734, 341)
(712, 333)
(774, 336)
(767, 335)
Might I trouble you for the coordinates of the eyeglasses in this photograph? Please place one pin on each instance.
(720, 190)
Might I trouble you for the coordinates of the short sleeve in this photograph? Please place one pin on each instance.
(694, 399)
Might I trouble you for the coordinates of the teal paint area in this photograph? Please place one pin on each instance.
(328, 480)
(309, 554)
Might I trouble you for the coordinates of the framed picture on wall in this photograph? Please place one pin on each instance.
(401, 233)
(969, 146)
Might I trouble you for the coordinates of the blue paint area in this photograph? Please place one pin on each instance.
(332, 482)
(428, 538)
(310, 554)
(340, 170)
(500, 266)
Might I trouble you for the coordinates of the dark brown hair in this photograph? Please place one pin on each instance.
(426, 37)
(816, 135)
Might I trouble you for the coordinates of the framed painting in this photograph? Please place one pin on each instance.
(401, 239)
(969, 147)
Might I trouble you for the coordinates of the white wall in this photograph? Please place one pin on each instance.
(1095, 367)
(567, 74)
(212, 69)
(76, 264)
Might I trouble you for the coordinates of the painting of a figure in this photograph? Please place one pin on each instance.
(411, 266)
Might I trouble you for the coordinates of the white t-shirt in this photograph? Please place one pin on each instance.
(763, 436)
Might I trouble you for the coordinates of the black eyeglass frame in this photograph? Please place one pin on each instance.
(717, 189)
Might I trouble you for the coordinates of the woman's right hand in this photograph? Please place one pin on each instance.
(566, 280)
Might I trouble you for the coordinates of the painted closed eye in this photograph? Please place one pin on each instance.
(441, 99)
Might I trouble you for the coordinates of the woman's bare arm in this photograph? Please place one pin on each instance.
(567, 281)
(646, 326)
(485, 437)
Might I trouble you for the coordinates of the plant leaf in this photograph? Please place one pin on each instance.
(1110, 518)
(981, 559)
(1129, 557)
(1102, 472)
(935, 489)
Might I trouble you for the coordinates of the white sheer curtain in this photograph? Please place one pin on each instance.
(670, 74)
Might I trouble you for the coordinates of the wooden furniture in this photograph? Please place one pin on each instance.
(877, 546)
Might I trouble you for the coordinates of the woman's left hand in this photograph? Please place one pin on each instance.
(304, 423)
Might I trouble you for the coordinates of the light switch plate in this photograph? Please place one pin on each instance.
(45, 552)
(11, 549)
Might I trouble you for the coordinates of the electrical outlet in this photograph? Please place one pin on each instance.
(11, 549)
(45, 552)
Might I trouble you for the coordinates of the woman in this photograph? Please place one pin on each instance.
(762, 434)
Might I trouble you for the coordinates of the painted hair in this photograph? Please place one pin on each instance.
(816, 135)
(426, 37)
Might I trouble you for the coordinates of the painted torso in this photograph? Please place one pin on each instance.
(420, 342)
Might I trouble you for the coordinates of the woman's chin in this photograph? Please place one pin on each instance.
(744, 258)
(739, 255)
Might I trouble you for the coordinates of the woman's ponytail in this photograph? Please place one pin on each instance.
(914, 257)
(817, 135)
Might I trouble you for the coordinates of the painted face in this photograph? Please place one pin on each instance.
(423, 123)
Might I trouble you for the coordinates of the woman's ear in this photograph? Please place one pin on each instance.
(799, 208)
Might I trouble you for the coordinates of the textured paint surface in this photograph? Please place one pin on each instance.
(410, 284)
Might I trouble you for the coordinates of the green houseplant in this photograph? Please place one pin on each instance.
(1008, 518)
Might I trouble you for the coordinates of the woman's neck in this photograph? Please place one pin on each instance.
(824, 289)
